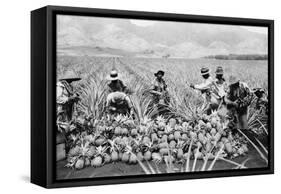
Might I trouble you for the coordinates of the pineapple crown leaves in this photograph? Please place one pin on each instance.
(160, 119)
(63, 125)
(178, 127)
(113, 145)
(137, 141)
(74, 137)
(128, 149)
(128, 142)
(185, 124)
(129, 122)
(173, 150)
(91, 138)
(72, 127)
(146, 121)
(80, 120)
(214, 113)
(121, 118)
(146, 130)
(89, 117)
(181, 144)
(97, 131)
(101, 150)
(148, 145)
(72, 162)
(168, 129)
(225, 124)
(138, 138)
(84, 148)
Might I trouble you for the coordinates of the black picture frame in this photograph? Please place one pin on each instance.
(43, 80)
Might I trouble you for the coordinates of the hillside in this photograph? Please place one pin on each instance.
(174, 39)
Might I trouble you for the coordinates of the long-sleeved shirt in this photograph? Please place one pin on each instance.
(65, 103)
(159, 85)
(212, 90)
(242, 94)
(118, 100)
(220, 88)
(64, 91)
(206, 85)
(117, 86)
(206, 88)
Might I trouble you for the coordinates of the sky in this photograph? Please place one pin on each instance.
(144, 23)
(261, 30)
(102, 32)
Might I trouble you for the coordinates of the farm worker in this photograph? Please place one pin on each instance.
(210, 99)
(237, 99)
(119, 103)
(66, 97)
(116, 85)
(261, 100)
(159, 88)
(220, 85)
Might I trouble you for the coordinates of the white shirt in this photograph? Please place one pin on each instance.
(205, 85)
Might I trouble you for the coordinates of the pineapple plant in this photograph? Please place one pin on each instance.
(98, 159)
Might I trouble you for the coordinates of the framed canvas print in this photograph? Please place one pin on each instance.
(126, 96)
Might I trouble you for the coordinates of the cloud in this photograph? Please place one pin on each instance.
(143, 23)
(261, 30)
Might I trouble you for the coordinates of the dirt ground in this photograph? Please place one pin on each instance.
(121, 169)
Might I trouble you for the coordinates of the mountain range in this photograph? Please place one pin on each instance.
(94, 36)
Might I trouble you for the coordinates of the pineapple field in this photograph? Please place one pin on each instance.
(184, 139)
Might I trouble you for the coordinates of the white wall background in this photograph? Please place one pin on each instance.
(15, 94)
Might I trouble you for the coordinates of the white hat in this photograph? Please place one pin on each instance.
(70, 75)
(205, 71)
(233, 80)
(113, 75)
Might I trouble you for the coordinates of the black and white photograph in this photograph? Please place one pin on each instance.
(144, 97)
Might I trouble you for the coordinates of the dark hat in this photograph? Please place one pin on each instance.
(160, 72)
(70, 75)
(259, 89)
(113, 75)
(205, 71)
(219, 70)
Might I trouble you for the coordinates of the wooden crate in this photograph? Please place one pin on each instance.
(60, 138)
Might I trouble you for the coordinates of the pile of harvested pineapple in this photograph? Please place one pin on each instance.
(123, 139)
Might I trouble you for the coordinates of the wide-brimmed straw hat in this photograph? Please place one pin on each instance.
(113, 75)
(160, 72)
(219, 71)
(233, 80)
(70, 75)
(205, 71)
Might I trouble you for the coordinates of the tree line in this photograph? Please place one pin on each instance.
(238, 57)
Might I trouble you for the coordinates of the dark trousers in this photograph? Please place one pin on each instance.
(242, 117)
(238, 117)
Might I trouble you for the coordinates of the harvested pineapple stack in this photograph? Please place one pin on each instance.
(124, 140)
